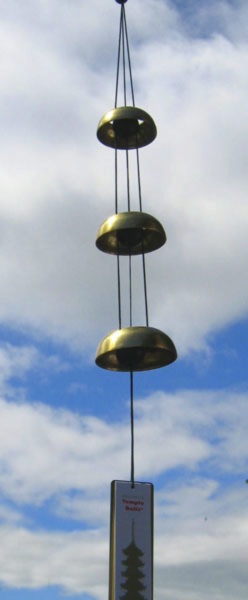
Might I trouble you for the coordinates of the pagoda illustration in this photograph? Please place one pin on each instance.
(133, 573)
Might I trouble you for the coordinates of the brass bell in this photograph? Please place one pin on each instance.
(126, 127)
(135, 349)
(130, 233)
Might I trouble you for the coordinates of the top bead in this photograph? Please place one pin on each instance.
(121, 1)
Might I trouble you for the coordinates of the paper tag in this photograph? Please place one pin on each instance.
(131, 541)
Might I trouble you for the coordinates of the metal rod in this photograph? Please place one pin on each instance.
(129, 58)
(132, 428)
(118, 62)
(116, 181)
(128, 182)
(123, 56)
(139, 183)
(145, 289)
(130, 292)
(119, 289)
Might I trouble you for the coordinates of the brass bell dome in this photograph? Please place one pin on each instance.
(130, 233)
(135, 349)
(126, 127)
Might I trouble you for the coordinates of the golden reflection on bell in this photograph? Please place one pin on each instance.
(130, 233)
(135, 349)
(126, 127)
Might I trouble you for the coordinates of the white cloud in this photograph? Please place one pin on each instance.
(91, 507)
(202, 195)
(57, 80)
(10, 516)
(219, 579)
(16, 363)
(49, 452)
(68, 461)
(77, 561)
(45, 452)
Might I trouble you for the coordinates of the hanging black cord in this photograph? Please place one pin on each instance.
(116, 166)
(145, 289)
(118, 258)
(123, 56)
(119, 289)
(116, 182)
(143, 256)
(130, 292)
(138, 167)
(130, 258)
(132, 428)
(139, 184)
(123, 35)
(128, 182)
(118, 61)
(128, 55)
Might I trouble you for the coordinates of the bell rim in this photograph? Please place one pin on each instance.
(106, 349)
(152, 234)
(107, 136)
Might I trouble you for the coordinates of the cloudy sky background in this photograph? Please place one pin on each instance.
(64, 423)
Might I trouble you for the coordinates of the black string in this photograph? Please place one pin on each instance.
(128, 181)
(116, 182)
(145, 289)
(130, 258)
(118, 258)
(123, 36)
(139, 184)
(128, 55)
(143, 256)
(119, 289)
(116, 168)
(118, 61)
(123, 56)
(130, 292)
(132, 428)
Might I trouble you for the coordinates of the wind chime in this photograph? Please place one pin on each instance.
(131, 348)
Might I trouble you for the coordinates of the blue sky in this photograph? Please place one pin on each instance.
(64, 423)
